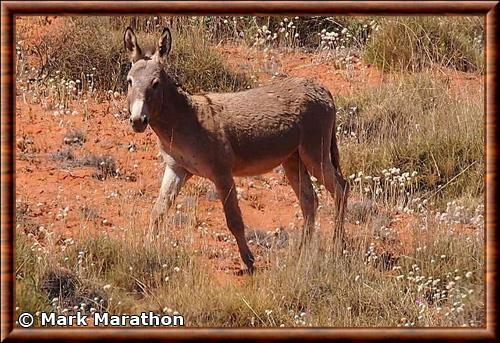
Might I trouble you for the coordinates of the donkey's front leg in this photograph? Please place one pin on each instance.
(174, 178)
(227, 192)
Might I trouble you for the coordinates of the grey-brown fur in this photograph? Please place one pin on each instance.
(221, 135)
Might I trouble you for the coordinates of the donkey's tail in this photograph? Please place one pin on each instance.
(334, 148)
(334, 151)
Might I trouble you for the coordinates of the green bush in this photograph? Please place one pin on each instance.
(413, 43)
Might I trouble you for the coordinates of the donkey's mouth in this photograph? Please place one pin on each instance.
(139, 128)
(140, 125)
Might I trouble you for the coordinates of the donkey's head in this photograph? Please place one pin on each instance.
(145, 79)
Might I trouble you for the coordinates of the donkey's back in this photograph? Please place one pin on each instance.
(266, 124)
(283, 99)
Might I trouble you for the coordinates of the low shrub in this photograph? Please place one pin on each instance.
(416, 123)
(90, 50)
(414, 43)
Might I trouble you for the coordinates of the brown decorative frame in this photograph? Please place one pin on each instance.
(9, 9)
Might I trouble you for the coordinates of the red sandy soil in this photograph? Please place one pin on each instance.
(295, 63)
(124, 202)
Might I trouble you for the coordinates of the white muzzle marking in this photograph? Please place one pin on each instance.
(136, 110)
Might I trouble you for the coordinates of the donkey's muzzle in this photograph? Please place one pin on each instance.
(138, 115)
(139, 124)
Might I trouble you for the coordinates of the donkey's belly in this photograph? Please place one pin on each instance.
(257, 167)
(261, 156)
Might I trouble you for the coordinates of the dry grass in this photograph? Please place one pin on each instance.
(416, 123)
(437, 282)
(75, 137)
(414, 43)
(96, 60)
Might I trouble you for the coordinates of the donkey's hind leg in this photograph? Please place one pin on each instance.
(300, 181)
(318, 160)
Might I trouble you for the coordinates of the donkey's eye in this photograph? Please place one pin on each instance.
(155, 83)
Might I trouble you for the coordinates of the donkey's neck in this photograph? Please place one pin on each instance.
(176, 115)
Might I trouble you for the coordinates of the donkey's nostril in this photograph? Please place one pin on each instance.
(130, 120)
(144, 120)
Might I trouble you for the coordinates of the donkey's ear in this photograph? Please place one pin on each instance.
(131, 46)
(164, 44)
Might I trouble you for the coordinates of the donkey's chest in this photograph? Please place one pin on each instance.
(193, 154)
(189, 160)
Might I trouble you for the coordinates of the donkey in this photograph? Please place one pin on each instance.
(221, 135)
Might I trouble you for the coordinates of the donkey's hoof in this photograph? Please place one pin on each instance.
(246, 271)
(250, 270)
(340, 245)
(156, 222)
(154, 230)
